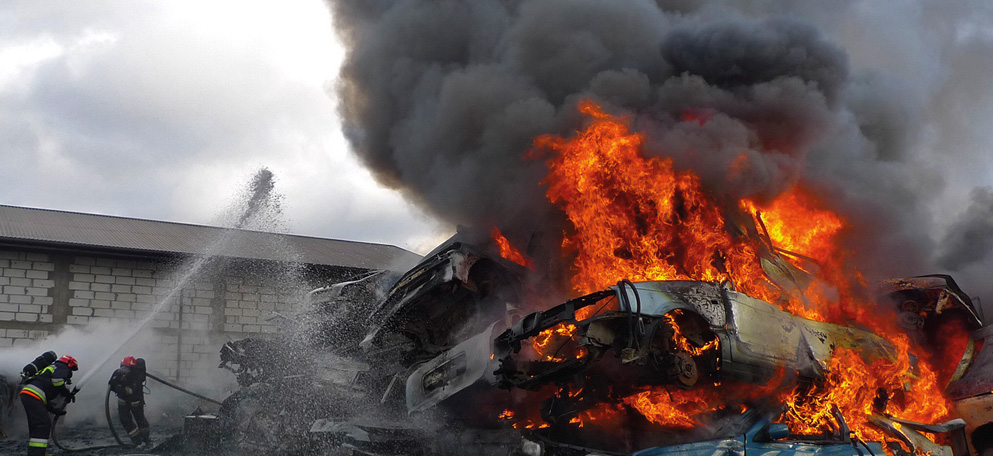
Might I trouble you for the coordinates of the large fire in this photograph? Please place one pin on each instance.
(638, 218)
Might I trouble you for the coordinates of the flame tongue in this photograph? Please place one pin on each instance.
(633, 217)
(638, 218)
(507, 250)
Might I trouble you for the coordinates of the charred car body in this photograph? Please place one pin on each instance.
(656, 333)
(756, 339)
(447, 331)
(390, 324)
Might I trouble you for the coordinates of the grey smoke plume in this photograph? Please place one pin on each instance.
(970, 238)
(443, 98)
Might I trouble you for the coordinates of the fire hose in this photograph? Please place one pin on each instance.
(55, 436)
(110, 421)
(176, 387)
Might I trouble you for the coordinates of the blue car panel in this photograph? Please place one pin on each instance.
(746, 445)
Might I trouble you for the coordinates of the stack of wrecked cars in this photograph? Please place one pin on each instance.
(424, 363)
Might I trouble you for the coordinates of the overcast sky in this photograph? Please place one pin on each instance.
(165, 110)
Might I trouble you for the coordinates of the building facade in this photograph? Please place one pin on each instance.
(88, 282)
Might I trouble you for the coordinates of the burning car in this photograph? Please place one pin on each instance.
(662, 365)
(617, 344)
(677, 332)
(454, 293)
(932, 309)
(972, 390)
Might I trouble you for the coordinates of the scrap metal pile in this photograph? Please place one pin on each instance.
(688, 325)
(442, 362)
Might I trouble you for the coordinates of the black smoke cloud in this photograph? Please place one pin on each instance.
(443, 98)
(971, 236)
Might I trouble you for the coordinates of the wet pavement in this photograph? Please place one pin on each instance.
(92, 440)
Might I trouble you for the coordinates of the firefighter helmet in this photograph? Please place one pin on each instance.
(70, 361)
(129, 361)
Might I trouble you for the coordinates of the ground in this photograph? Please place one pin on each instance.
(90, 436)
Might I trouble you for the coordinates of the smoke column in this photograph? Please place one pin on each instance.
(882, 108)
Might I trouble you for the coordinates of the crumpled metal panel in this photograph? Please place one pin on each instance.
(450, 372)
(978, 378)
(659, 298)
(726, 447)
(913, 440)
(762, 338)
(940, 290)
(976, 411)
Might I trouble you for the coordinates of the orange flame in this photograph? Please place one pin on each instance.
(682, 343)
(633, 217)
(671, 410)
(639, 218)
(507, 251)
(548, 344)
(853, 385)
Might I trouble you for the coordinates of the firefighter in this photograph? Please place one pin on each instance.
(38, 392)
(128, 383)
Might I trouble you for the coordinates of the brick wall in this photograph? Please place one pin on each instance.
(43, 293)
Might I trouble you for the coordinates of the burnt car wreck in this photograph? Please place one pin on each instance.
(440, 360)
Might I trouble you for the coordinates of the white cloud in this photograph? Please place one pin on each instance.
(164, 110)
(16, 59)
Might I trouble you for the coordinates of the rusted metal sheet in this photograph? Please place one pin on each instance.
(920, 298)
(978, 377)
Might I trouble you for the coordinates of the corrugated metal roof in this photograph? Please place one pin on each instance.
(103, 231)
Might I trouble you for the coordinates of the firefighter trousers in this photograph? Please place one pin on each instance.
(132, 414)
(39, 424)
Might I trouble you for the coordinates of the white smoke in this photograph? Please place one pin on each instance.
(88, 345)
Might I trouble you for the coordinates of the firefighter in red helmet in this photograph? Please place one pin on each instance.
(128, 383)
(43, 382)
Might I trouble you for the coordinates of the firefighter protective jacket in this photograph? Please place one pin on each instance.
(49, 382)
(128, 384)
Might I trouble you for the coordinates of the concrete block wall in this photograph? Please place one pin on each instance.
(26, 284)
(41, 293)
(248, 306)
(19, 337)
(197, 356)
(106, 289)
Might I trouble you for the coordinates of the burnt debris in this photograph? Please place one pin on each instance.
(440, 359)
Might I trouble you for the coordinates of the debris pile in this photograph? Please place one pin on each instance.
(442, 360)
(684, 319)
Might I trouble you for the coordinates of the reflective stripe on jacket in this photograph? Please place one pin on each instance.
(35, 392)
(50, 382)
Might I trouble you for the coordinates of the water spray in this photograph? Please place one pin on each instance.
(260, 188)
(180, 285)
(110, 419)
